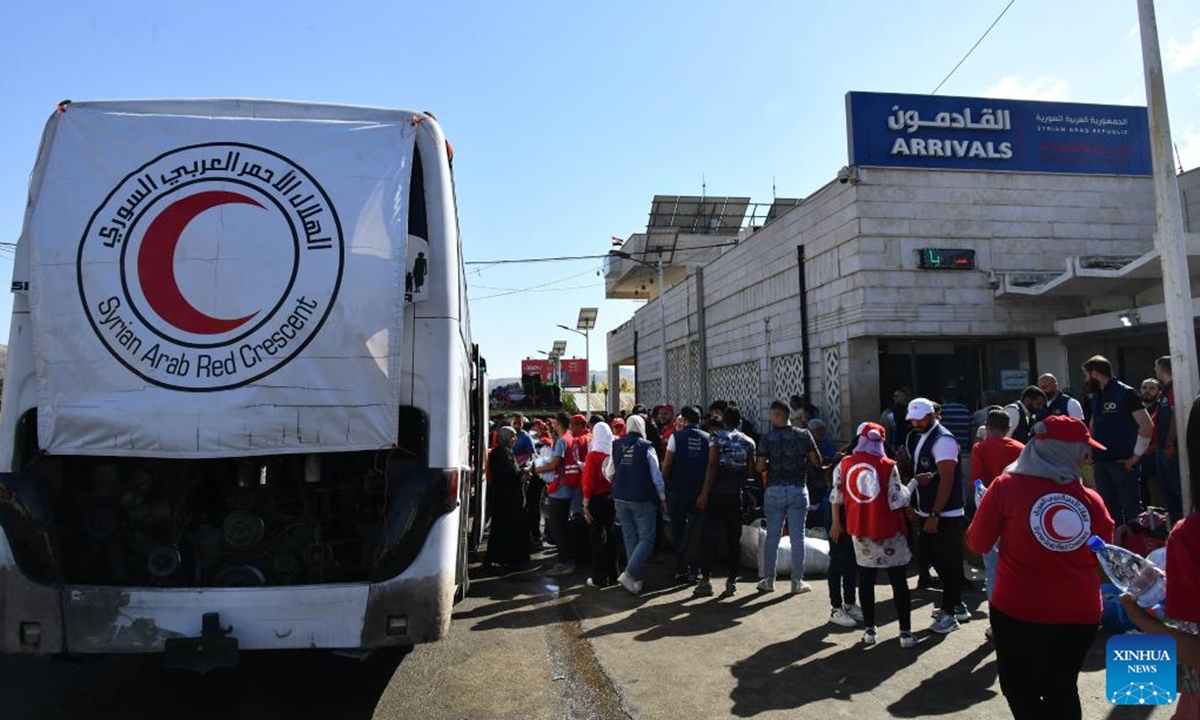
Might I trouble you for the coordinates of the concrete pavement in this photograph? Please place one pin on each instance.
(532, 645)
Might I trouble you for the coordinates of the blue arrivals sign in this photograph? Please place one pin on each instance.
(932, 131)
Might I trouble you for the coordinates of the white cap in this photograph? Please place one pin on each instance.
(919, 408)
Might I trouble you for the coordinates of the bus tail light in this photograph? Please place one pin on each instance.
(453, 476)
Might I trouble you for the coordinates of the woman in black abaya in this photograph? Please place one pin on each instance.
(508, 542)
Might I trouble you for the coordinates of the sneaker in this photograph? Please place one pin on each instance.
(766, 585)
(907, 640)
(703, 589)
(961, 613)
(838, 616)
(945, 624)
(633, 586)
(869, 636)
(731, 587)
(799, 587)
(853, 611)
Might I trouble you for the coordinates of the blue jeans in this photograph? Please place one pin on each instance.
(780, 501)
(638, 526)
(1120, 491)
(1169, 481)
(990, 558)
(681, 507)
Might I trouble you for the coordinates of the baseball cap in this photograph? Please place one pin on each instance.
(919, 408)
(872, 431)
(1066, 429)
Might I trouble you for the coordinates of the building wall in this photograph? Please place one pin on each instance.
(861, 246)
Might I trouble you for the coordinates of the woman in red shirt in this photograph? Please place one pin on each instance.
(599, 510)
(1046, 607)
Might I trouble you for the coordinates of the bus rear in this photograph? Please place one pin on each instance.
(235, 415)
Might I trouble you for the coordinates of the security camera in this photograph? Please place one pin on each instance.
(847, 175)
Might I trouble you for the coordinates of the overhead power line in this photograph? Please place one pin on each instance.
(981, 37)
(652, 251)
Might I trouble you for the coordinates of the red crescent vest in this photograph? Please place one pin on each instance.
(865, 479)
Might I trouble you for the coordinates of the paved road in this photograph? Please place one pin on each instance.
(532, 645)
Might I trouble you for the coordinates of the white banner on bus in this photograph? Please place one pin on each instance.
(207, 286)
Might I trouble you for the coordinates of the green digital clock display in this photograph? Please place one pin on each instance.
(947, 259)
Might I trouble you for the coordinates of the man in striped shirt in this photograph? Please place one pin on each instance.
(956, 418)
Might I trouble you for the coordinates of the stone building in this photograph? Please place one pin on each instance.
(928, 276)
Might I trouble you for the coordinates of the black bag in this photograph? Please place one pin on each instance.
(579, 540)
(694, 540)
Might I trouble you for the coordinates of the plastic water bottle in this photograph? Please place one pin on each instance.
(979, 491)
(1131, 572)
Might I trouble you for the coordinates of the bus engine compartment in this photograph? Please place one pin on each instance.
(238, 522)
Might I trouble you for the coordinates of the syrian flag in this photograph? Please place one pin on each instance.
(617, 242)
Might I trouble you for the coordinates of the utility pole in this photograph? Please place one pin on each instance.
(1171, 243)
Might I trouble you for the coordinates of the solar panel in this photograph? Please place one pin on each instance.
(695, 214)
(587, 318)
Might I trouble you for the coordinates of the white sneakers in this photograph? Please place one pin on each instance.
(853, 611)
(907, 640)
(766, 585)
(838, 616)
(799, 587)
(633, 586)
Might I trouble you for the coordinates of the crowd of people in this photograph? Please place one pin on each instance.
(614, 489)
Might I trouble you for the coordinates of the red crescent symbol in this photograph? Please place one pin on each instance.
(156, 264)
(852, 487)
(1048, 522)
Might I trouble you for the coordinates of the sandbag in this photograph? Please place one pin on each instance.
(816, 552)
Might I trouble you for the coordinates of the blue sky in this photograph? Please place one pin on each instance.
(567, 118)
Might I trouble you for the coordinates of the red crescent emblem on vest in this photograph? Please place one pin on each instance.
(861, 483)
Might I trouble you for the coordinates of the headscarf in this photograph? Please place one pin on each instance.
(635, 425)
(1057, 460)
(508, 436)
(870, 439)
(602, 439)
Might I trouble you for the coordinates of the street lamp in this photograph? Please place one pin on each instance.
(662, 312)
(584, 326)
(555, 355)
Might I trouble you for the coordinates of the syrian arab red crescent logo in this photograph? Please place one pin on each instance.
(1060, 522)
(156, 264)
(862, 483)
(211, 266)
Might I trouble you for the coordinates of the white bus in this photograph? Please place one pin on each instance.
(125, 545)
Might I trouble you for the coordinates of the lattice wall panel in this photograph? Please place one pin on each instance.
(736, 382)
(683, 366)
(787, 372)
(649, 393)
(833, 391)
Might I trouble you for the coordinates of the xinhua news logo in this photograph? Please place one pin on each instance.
(1140, 669)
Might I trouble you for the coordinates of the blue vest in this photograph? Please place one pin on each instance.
(1162, 422)
(1115, 429)
(1057, 406)
(631, 480)
(689, 461)
(924, 463)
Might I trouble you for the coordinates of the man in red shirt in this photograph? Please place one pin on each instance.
(1046, 606)
(990, 456)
